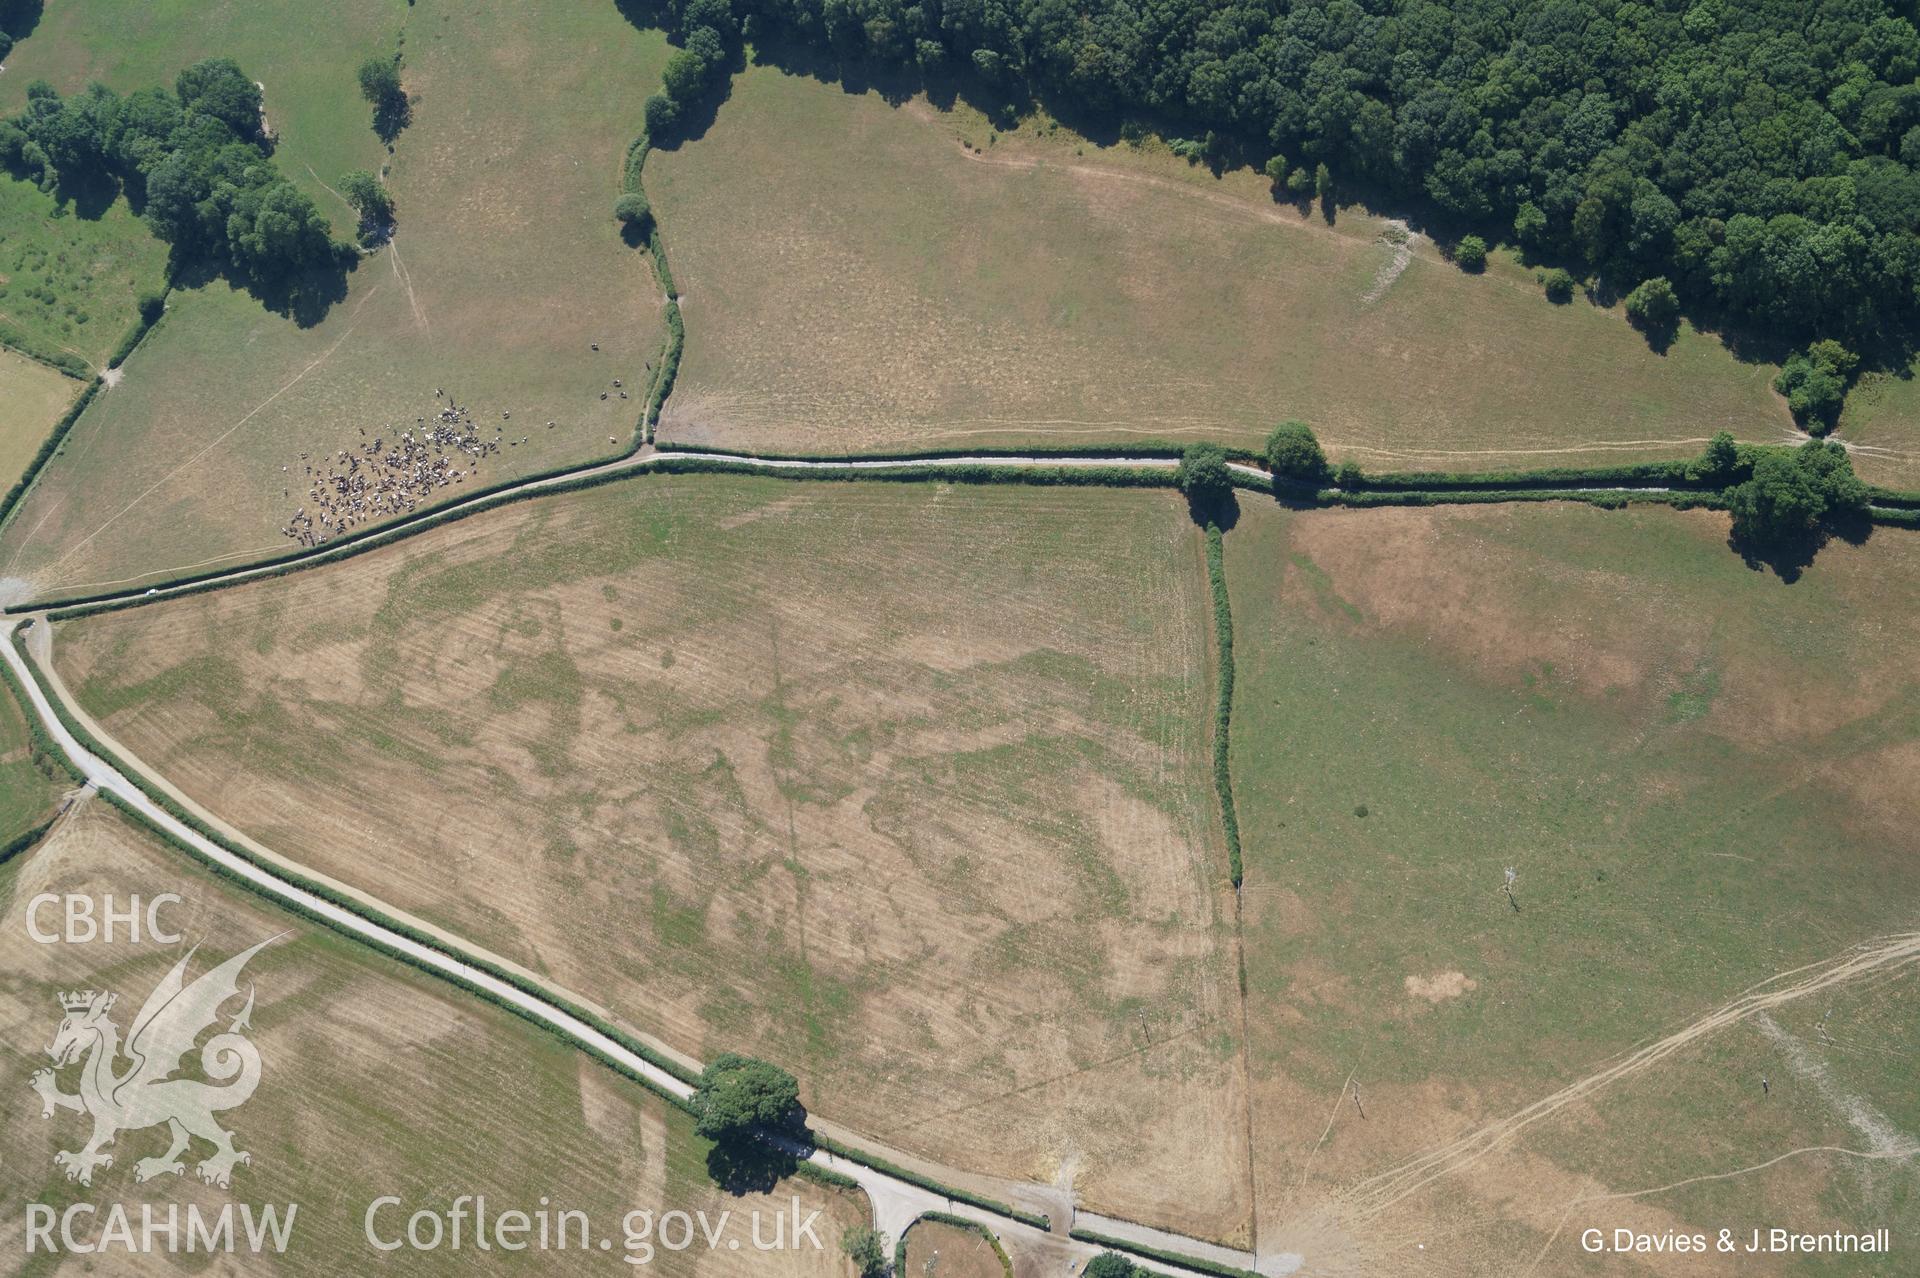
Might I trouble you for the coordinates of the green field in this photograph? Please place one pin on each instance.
(304, 55)
(1882, 424)
(1703, 779)
(862, 276)
(375, 1080)
(68, 283)
(901, 786)
(505, 271)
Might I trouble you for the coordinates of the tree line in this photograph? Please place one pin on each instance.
(1756, 157)
(197, 164)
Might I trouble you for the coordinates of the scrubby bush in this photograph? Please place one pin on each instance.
(1815, 384)
(1719, 463)
(1276, 171)
(1559, 286)
(632, 210)
(1470, 254)
(866, 1247)
(1110, 1264)
(660, 114)
(151, 305)
(1294, 453)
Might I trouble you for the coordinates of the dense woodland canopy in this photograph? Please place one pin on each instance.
(1759, 154)
(194, 160)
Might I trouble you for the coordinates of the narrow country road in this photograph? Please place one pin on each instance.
(896, 1202)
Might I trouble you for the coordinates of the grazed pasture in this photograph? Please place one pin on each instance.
(1703, 779)
(507, 268)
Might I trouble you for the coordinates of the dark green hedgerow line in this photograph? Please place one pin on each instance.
(1155, 1253)
(1223, 706)
(360, 909)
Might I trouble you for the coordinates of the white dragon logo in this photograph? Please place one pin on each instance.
(145, 1094)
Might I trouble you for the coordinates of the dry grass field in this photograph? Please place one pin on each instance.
(1705, 781)
(507, 267)
(35, 396)
(903, 787)
(861, 277)
(375, 1080)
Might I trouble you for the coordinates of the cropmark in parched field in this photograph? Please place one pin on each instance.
(901, 786)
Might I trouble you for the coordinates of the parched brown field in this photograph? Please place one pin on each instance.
(860, 276)
(903, 787)
(934, 1248)
(375, 1080)
(507, 267)
(1705, 780)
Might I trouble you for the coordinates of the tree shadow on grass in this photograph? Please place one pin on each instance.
(305, 297)
(750, 1166)
(1788, 558)
(1222, 508)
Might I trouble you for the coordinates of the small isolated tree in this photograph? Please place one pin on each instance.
(1559, 286)
(1654, 309)
(1109, 1264)
(739, 1096)
(1470, 254)
(1203, 475)
(371, 200)
(1300, 182)
(866, 1247)
(1322, 182)
(633, 211)
(380, 85)
(1276, 172)
(379, 80)
(1294, 453)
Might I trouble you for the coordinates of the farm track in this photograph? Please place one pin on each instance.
(646, 459)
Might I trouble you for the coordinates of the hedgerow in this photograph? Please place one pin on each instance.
(1155, 1253)
(1223, 706)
